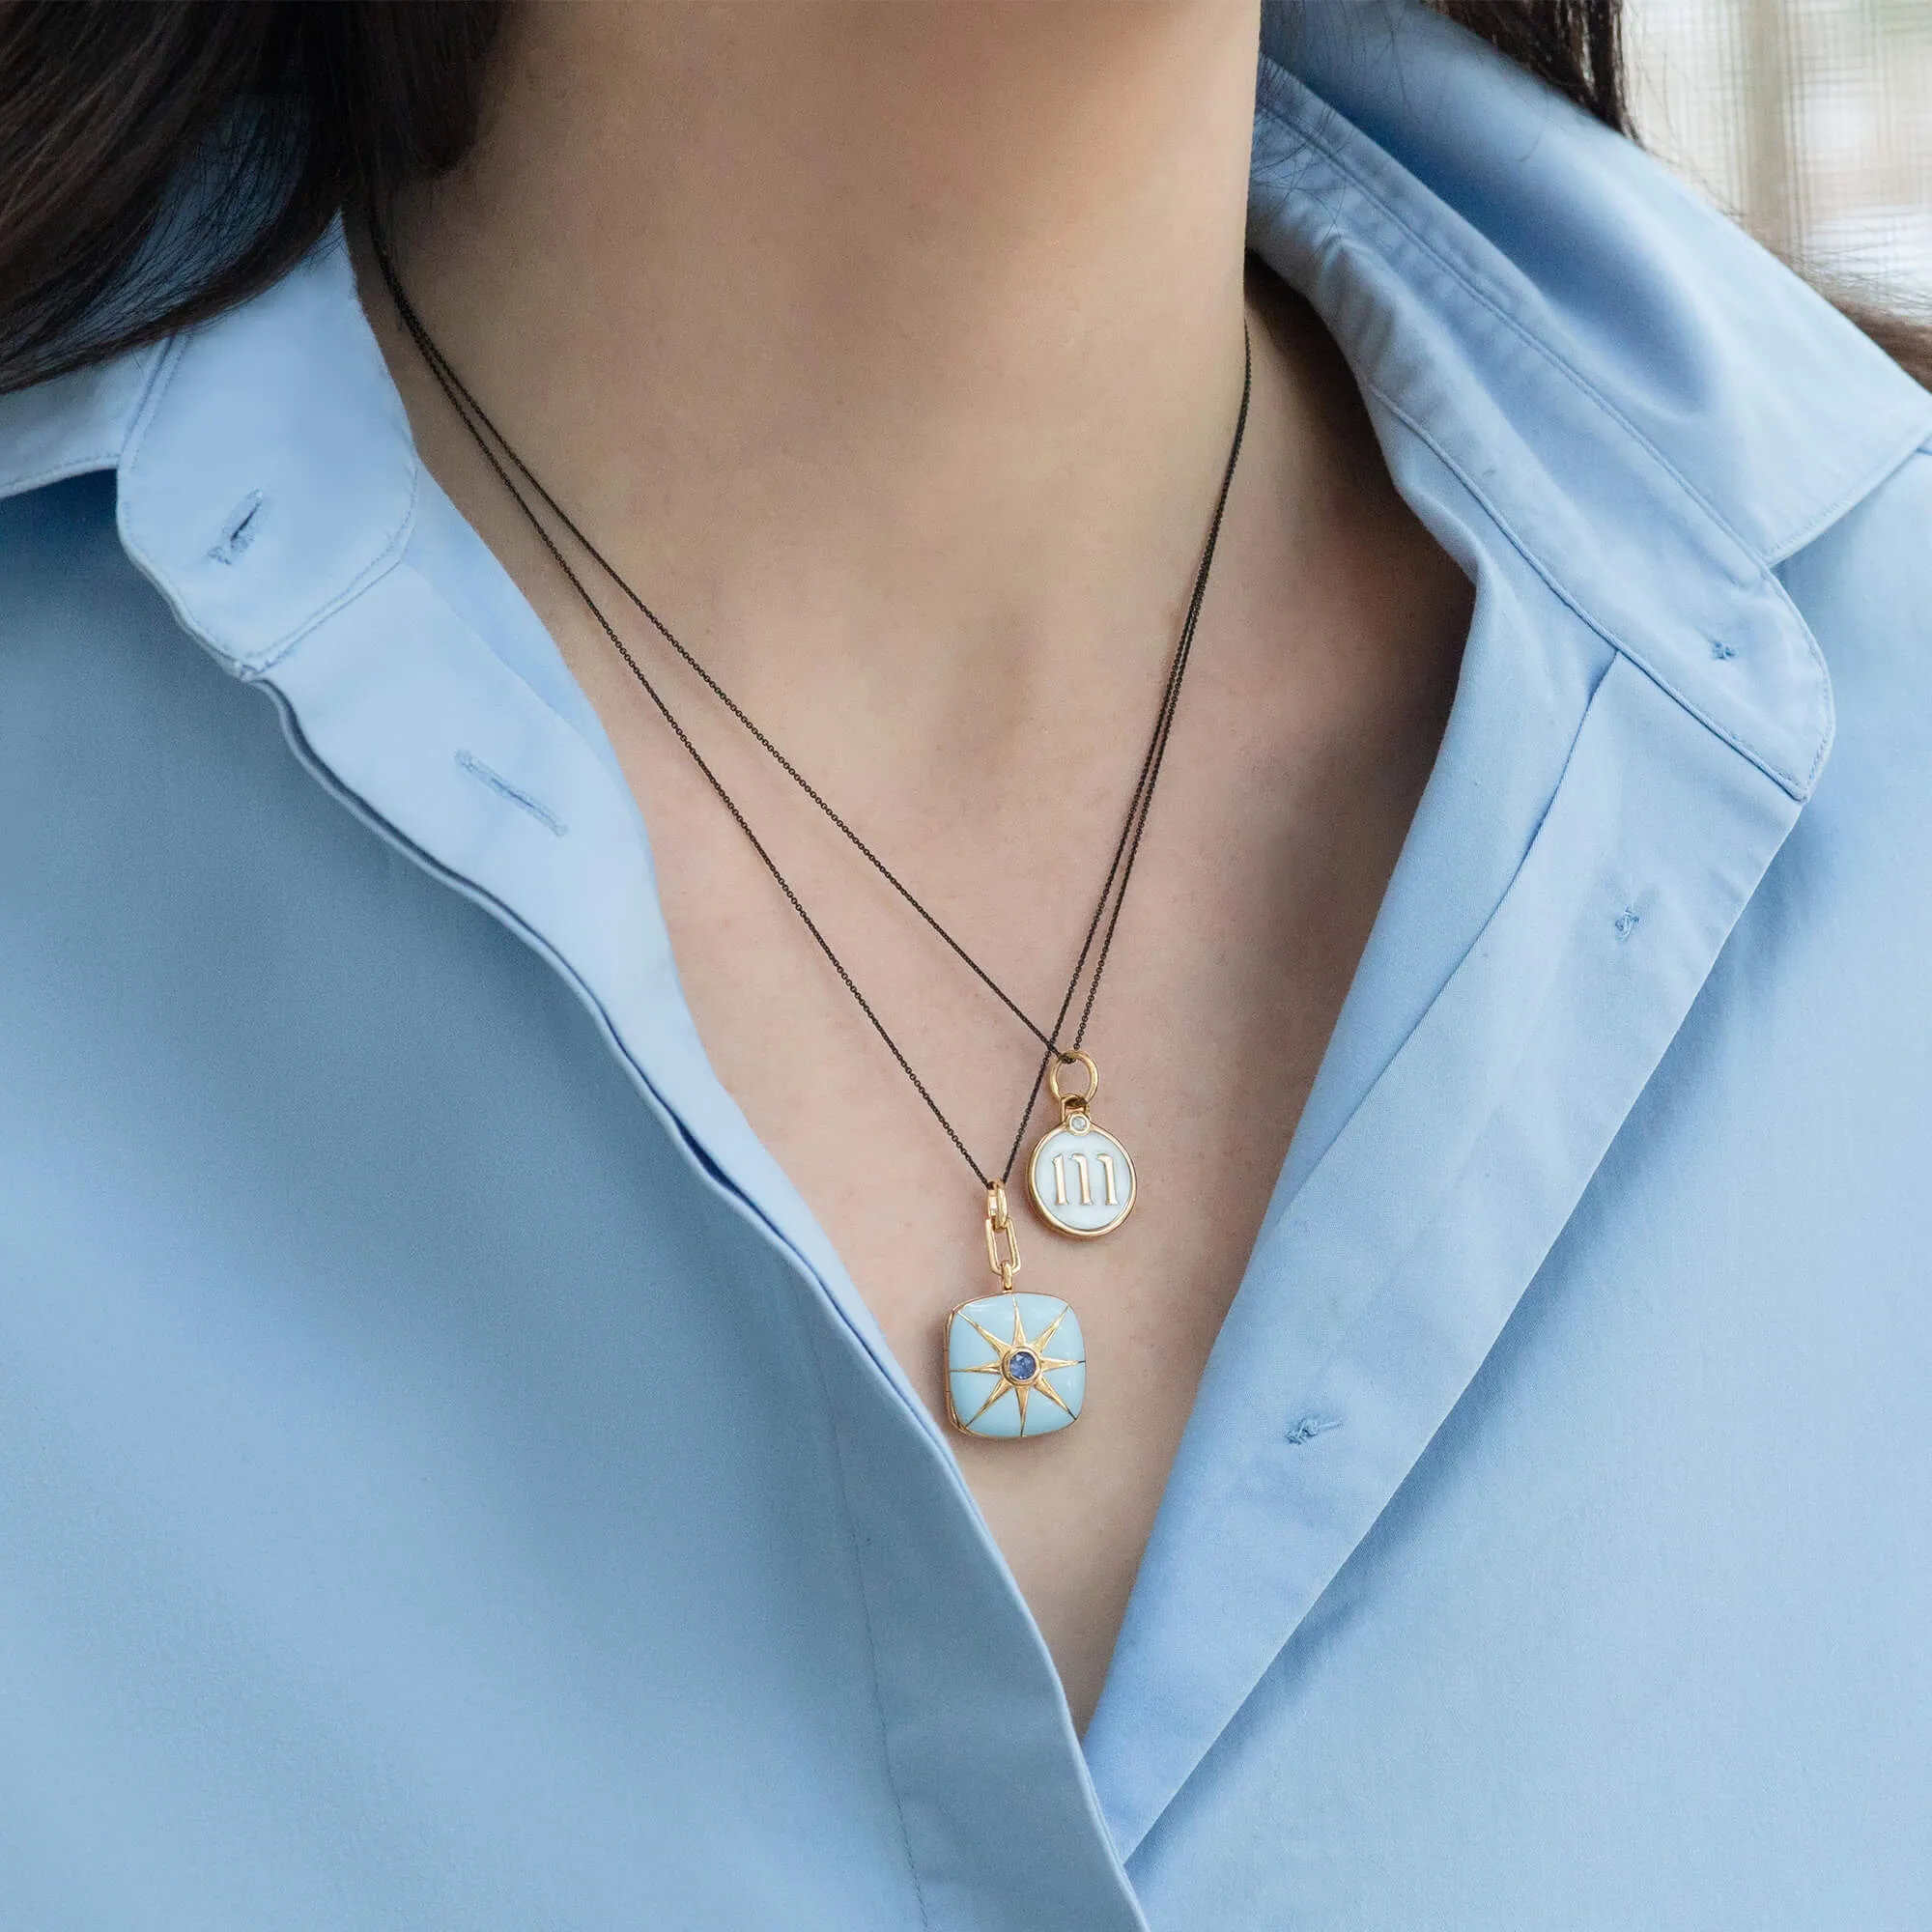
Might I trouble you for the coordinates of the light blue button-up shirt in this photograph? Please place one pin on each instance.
(447, 1478)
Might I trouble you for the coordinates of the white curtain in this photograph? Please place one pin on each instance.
(1809, 120)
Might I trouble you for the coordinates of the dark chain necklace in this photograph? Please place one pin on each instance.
(1019, 1368)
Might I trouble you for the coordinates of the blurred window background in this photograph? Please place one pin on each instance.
(1808, 120)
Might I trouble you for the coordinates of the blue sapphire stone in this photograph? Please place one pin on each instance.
(1022, 1365)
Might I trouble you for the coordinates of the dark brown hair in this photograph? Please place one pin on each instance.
(263, 116)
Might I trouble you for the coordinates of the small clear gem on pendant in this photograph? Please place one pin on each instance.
(1022, 1365)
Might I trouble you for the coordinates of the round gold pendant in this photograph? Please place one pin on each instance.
(1081, 1178)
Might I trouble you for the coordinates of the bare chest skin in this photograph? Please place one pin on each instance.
(1319, 683)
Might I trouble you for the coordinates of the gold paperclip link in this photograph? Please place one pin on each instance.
(999, 1223)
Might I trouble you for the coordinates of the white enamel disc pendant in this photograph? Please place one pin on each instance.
(1081, 1178)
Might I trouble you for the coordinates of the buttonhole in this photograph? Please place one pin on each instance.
(240, 530)
(1627, 921)
(503, 789)
(1312, 1426)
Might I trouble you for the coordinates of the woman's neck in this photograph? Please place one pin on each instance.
(909, 333)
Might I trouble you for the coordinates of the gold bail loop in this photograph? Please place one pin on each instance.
(1071, 1104)
(999, 1223)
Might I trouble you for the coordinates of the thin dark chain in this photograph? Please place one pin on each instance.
(1157, 750)
(472, 412)
(490, 439)
(1127, 848)
(475, 414)
(757, 845)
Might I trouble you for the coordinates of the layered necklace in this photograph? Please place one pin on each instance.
(1014, 1363)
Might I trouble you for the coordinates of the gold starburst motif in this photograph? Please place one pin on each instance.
(1002, 1380)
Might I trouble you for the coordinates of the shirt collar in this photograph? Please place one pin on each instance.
(1653, 408)
(1547, 236)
